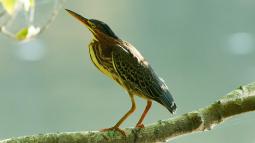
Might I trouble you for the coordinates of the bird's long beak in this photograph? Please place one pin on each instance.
(82, 19)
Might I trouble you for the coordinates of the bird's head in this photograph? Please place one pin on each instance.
(98, 28)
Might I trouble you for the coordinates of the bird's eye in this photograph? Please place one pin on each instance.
(93, 25)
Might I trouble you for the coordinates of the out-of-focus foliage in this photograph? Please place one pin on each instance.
(25, 19)
(9, 5)
(27, 33)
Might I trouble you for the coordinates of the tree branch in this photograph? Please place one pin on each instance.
(236, 102)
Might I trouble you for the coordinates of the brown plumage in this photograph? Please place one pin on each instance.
(120, 61)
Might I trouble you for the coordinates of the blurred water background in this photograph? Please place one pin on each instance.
(202, 49)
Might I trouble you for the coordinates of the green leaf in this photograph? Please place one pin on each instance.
(27, 32)
(22, 34)
(9, 5)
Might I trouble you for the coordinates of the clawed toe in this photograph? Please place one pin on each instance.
(139, 126)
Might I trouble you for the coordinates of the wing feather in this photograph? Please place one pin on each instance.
(139, 75)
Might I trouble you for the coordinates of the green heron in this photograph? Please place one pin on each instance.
(123, 63)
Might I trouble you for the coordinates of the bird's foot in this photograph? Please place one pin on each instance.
(139, 126)
(114, 129)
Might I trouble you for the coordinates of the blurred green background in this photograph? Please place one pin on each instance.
(202, 49)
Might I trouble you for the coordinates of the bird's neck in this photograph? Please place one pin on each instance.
(106, 41)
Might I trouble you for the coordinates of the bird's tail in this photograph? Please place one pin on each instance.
(168, 101)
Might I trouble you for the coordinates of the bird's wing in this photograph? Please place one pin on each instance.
(133, 69)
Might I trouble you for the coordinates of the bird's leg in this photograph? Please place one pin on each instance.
(147, 108)
(131, 110)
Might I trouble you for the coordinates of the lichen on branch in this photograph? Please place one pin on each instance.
(239, 101)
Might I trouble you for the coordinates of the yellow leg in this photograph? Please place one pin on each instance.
(147, 108)
(131, 110)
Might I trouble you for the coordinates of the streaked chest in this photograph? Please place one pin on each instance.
(101, 58)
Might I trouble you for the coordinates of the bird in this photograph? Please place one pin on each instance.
(122, 62)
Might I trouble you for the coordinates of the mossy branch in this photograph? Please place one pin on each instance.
(236, 102)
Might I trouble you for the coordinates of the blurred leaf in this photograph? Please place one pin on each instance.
(32, 3)
(27, 33)
(22, 34)
(9, 5)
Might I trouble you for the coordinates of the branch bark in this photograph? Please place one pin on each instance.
(236, 102)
